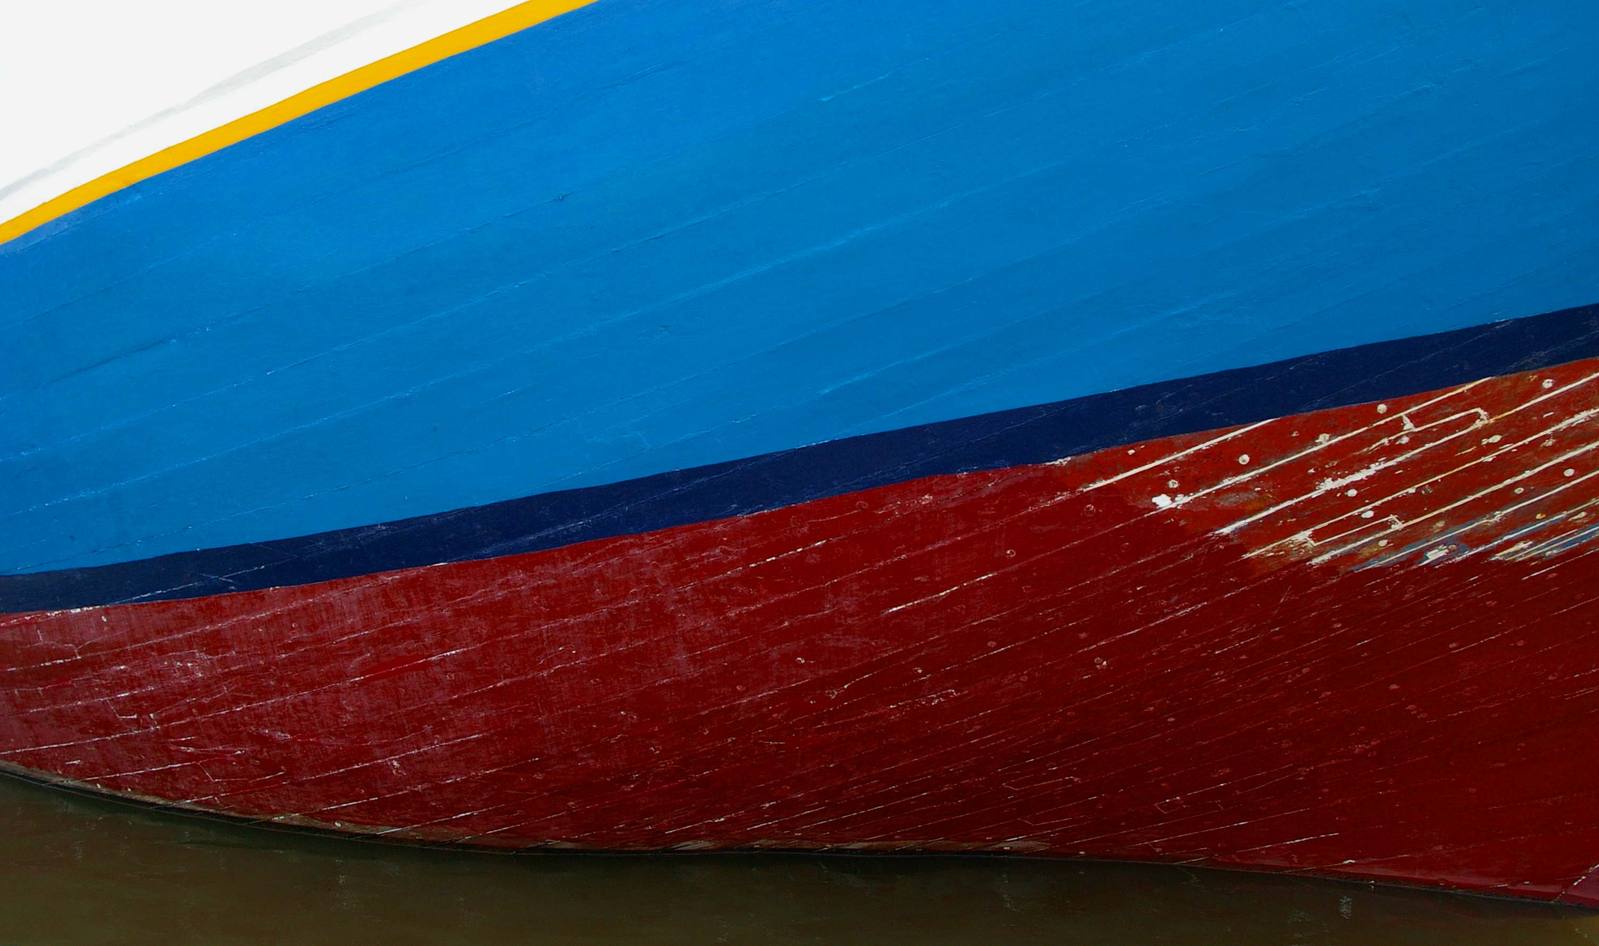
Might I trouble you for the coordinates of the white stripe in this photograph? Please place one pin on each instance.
(89, 86)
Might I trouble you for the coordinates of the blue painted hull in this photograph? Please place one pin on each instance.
(997, 441)
(650, 237)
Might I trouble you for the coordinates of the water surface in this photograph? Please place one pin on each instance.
(75, 870)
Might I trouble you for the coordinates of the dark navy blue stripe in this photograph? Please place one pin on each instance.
(991, 441)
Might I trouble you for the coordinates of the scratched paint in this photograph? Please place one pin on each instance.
(1043, 659)
(1076, 429)
(651, 235)
(1041, 433)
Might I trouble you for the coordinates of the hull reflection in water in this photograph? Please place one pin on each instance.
(161, 879)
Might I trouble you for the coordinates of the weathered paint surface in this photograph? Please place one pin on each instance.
(1356, 642)
(1037, 434)
(651, 235)
(1081, 428)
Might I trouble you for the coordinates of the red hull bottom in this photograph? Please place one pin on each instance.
(1362, 642)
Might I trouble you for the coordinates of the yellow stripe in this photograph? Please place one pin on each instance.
(471, 36)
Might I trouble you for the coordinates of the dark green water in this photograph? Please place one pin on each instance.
(79, 871)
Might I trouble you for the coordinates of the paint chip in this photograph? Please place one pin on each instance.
(1382, 408)
(1243, 459)
(1163, 500)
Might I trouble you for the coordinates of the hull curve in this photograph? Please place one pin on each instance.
(1086, 429)
(1344, 642)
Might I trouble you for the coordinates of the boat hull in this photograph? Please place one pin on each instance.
(1088, 429)
(1346, 642)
